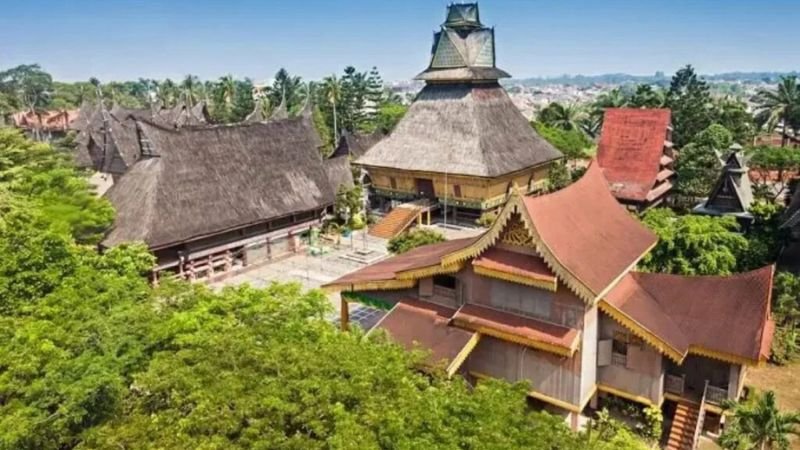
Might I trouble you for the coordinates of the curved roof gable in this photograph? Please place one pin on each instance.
(588, 232)
(696, 314)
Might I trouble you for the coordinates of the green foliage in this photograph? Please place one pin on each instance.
(764, 237)
(65, 200)
(733, 114)
(389, 114)
(566, 117)
(605, 432)
(715, 136)
(786, 313)
(558, 177)
(572, 143)
(775, 166)
(486, 219)
(698, 165)
(758, 423)
(780, 106)
(412, 239)
(349, 206)
(653, 422)
(690, 102)
(693, 245)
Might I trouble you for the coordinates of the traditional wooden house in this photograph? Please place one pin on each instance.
(732, 194)
(46, 125)
(462, 142)
(635, 153)
(208, 200)
(549, 296)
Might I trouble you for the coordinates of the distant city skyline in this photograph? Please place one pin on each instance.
(125, 39)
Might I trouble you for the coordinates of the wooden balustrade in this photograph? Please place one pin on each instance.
(674, 384)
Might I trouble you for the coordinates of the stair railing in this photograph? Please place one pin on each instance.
(701, 417)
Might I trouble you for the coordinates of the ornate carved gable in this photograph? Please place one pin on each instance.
(515, 233)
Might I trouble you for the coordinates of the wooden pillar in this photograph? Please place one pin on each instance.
(419, 219)
(429, 217)
(155, 277)
(573, 420)
(269, 250)
(210, 266)
(344, 314)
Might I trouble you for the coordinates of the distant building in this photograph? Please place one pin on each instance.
(732, 194)
(46, 125)
(635, 153)
(462, 142)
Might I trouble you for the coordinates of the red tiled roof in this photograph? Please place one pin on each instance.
(630, 149)
(417, 258)
(724, 314)
(413, 323)
(588, 231)
(515, 263)
(487, 321)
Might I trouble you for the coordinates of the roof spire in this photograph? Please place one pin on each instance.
(281, 112)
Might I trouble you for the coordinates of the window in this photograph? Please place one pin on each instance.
(444, 281)
(619, 348)
(457, 190)
(393, 182)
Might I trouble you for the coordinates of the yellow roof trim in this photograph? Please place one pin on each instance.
(456, 363)
(540, 345)
(620, 393)
(641, 331)
(721, 356)
(516, 278)
(438, 269)
(381, 285)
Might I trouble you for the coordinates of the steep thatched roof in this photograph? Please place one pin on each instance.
(207, 180)
(732, 194)
(354, 144)
(467, 129)
(339, 172)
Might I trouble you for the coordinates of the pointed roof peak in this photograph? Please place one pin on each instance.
(282, 111)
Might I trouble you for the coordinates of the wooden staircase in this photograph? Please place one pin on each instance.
(684, 423)
(395, 222)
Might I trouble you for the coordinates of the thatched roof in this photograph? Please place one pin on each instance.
(339, 172)
(208, 180)
(467, 129)
(732, 194)
(354, 144)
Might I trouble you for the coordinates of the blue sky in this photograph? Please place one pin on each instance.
(125, 39)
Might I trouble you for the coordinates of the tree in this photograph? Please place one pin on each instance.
(388, 116)
(286, 87)
(647, 97)
(31, 86)
(413, 239)
(190, 89)
(758, 423)
(690, 101)
(698, 165)
(566, 117)
(779, 106)
(733, 114)
(558, 177)
(693, 245)
(332, 88)
(572, 143)
(775, 167)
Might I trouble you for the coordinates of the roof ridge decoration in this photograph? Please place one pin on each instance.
(463, 49)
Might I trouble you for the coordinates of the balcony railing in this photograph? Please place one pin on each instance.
(674, 384)
(715, 395)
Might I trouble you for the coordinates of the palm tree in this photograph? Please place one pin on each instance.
(167, 93)
(191, 87)
(779, 106)
(333, 92)
(759, 424)
(567, 117)
(227, 87)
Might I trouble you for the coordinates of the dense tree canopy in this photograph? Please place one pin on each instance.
(693, 245)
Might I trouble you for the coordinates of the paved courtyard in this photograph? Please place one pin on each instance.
(313, 271)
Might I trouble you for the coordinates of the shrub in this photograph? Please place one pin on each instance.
(413, 239)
